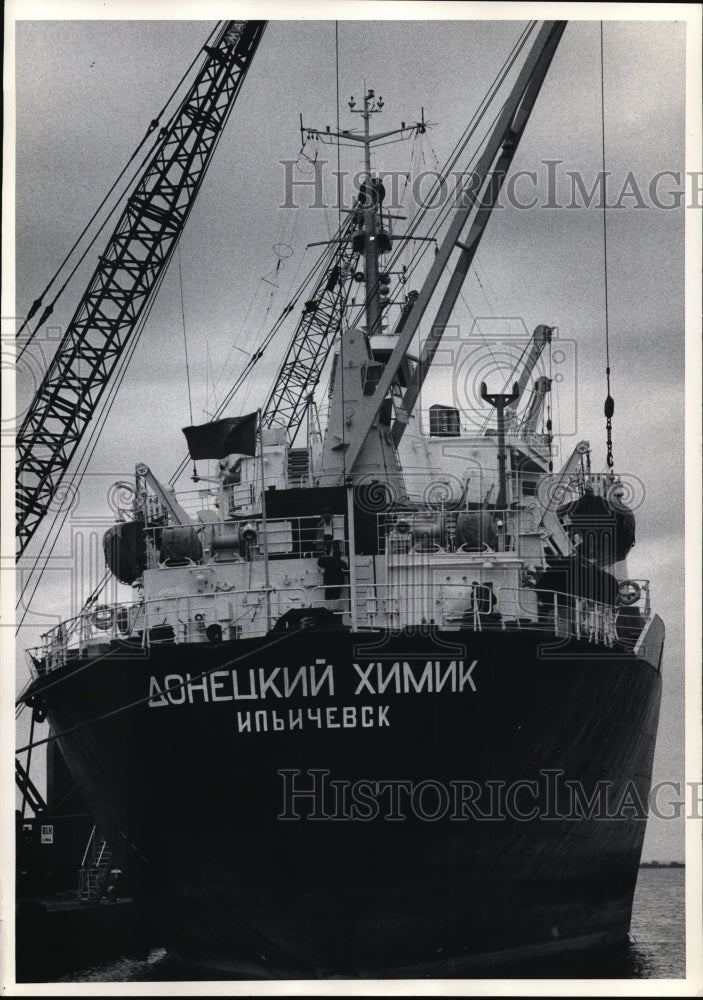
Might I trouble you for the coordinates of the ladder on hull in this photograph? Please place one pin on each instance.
(95, 868)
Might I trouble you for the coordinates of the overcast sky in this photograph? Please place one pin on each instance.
(87, 90)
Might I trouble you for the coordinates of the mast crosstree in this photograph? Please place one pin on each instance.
(476, 203)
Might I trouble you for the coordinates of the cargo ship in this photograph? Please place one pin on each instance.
(383, 704)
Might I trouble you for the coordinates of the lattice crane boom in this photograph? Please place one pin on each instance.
(127, 275)
(313, 338)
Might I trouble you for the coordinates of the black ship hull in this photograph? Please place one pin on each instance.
(322, 803)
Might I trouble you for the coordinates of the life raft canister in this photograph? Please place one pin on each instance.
(476, 530)
(605, 525)
(102, 617)
(629, 592)
(124, 545)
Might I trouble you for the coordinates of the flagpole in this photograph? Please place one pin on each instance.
(263, 521)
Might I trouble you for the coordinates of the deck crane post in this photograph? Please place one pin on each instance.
(541, 337)
(127, 274)
(535, 406)
(475, 206)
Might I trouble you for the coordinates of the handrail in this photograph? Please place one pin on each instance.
(299, 536)
(478, 605)
(88, 847)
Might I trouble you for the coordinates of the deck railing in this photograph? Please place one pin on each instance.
(397, 533)
(243, 541)
(208, 618)
(417, 531)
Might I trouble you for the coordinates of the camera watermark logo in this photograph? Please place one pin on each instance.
(498, 351)
(74, 576)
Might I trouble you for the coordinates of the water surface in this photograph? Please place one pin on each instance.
(657, 950)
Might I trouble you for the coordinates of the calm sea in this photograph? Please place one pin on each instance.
(658, 948)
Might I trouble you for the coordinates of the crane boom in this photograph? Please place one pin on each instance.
(474, 209)
(313, 338)
(540, 338)
(127, 275)
(535, 406)
(498, 156)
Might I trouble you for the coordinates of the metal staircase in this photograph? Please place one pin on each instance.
(298, 466)
(95, 868)
(365, 584)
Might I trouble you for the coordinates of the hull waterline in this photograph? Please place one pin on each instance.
(427, 805)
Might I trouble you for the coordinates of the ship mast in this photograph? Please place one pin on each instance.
(472, 213)
(371, 239)
(356, 372)
(371, 203)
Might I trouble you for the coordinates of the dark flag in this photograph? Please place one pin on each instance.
(232, 436)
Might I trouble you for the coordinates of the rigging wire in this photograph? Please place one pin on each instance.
(548, 426)
(460, 147)
(153, 125)
(411, 208)
(316, 269)
(185, 345)
(477, 326)
(284, 238)
(211, 382)
(609, 406)
(339, 249)
(185, 338)
(234, 347)
(490, 293)
(88, 450)
(325, 259)
(320, 267)
(139, 701)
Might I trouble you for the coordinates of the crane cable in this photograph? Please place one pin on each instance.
(153, 125)
(453, 157)
(326, 258)
(339, 254)
(185, 344)
(89, 447)
(185, 337)
(609, 407)
(79, 727)
(549, 425)
(319, 267)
